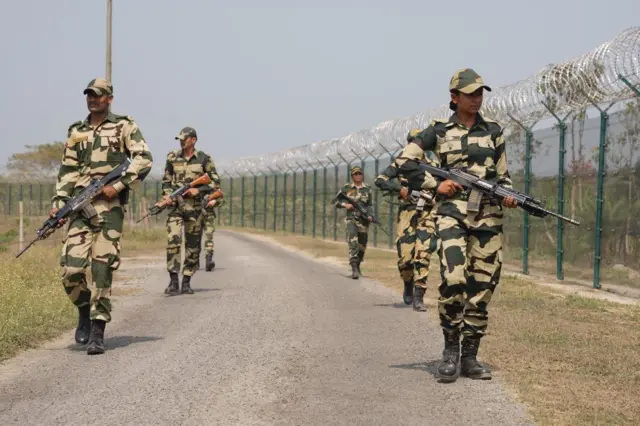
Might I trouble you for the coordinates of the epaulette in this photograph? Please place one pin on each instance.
(124, 117)
(435, 121)
(74, 125)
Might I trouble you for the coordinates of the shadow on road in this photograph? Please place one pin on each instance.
(117, 342)
(397, 305)
(429, 367)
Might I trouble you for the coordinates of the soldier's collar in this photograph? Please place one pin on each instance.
(454, 120)
(110, 117)
(194, 155)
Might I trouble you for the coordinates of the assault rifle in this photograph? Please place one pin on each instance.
(361, 211)
(162, 204)
(78, 203)
(493, 190)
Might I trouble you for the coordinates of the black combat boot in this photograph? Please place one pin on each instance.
(173, 287)
(407, 296)
(470, 366)
(186, 285)
(360, 260)
(448, 368)
(96, 338)
(418, 299)
(354, 270)
(84, 324)
(210, 263)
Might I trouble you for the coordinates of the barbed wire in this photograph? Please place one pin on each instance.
(592, 78)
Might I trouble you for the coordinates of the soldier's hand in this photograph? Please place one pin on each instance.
(53, 213)
(404, 192)
(510, 202)
(167, 201)
(449, 188)
(212, 203)
(191, 192)
(109, 192)
(348, 206)
(369, 218)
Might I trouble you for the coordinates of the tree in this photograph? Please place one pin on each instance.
(38, 163)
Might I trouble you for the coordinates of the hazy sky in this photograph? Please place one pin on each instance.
(259, 76)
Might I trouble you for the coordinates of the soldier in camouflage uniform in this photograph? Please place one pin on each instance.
(184, 165)
(94, 147)
(415, 240)
(357, 227)
(209, 227)
(468, 223)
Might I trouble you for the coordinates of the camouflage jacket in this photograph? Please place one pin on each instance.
(179, 170)
(91, 152)
(391, 180)
(480, 150)
(362, 194)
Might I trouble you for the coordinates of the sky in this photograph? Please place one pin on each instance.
(254, 77)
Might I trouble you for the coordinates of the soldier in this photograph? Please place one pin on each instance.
(94, 147)
(468, 224)
(209, 227)
(184, 165)
(357, 227)
(415, 240)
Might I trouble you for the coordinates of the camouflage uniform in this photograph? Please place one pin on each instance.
(208, 229)
(186, 212)
(93, 237)
(357, 228)
(415, 239)
(471, 241)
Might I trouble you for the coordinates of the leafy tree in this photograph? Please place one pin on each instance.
(38, 163)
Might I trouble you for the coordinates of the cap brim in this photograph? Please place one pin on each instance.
(93, 90)
(179, 138)
(473, 87)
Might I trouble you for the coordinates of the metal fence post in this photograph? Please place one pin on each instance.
(275, 199)
(314, 198)
(527, 190)
(304, 197)
(562, 127)
(336, 169)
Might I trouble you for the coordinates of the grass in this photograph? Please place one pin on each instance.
(570, 359)
(33, 304)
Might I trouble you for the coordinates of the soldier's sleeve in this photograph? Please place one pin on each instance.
(209, 169)
(68, 173)
(501, 161)
(410, 158)
(167, 178)
(386, 181)
(141, 158)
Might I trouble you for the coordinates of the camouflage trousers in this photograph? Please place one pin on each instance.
(357, 237)
(415, 243)
(187, 217)
(208, 229)
(94, 241)
(471, 262)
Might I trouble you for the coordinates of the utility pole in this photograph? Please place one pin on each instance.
(109, 19)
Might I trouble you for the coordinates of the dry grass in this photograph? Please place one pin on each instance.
(572, 360)
(33, 304)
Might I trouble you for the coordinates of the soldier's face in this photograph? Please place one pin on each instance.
(468, 103)
(98, 104)
(357, 177)
(187, 142)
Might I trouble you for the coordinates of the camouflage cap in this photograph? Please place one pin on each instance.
(412, 134)
(356, 169)
(467, 81)
(99, 86)
(186, 132)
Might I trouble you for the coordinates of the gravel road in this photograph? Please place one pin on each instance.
(269, 337)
